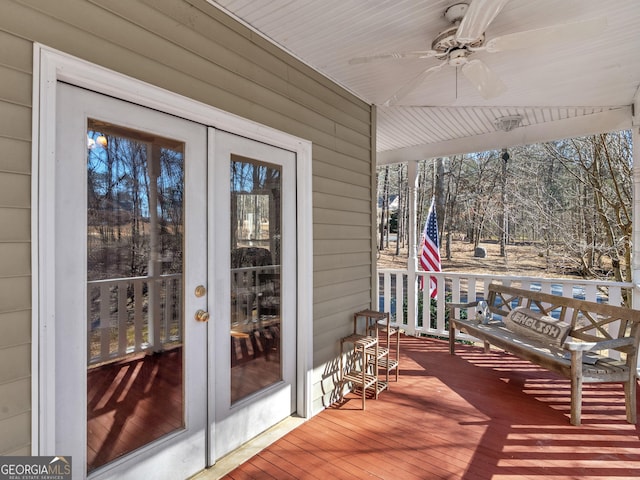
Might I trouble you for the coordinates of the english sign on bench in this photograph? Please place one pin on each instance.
(540, 327)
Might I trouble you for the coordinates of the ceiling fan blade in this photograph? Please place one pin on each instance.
(394, 56)
(478, 17)
(482, 77)
(412, 85)
(555, 34)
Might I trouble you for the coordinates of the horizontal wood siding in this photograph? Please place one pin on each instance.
(15, 245)
(191, 48)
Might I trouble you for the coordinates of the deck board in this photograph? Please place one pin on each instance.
(472, 416)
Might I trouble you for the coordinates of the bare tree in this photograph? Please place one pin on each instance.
(454, 180)
(602, 165)
(384, 217)
(572, 198)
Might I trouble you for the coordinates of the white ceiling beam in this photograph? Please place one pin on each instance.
(608, 121)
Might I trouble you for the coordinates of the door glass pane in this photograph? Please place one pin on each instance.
(135, 186)
(255, 276)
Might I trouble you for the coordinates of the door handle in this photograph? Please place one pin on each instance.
(202, 316)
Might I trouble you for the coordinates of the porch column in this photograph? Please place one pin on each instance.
(635, 247)
(412, 257)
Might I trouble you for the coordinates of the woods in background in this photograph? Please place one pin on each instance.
(572, 198)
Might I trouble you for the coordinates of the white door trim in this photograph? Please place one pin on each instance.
(51, 66)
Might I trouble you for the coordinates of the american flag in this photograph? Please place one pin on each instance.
(430, 256)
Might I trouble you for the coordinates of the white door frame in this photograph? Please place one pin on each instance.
(51, 66)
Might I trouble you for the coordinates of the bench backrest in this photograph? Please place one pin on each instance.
(590, 321)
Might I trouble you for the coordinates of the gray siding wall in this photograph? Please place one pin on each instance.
(191, 48)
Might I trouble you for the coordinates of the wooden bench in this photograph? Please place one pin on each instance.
(602, 346)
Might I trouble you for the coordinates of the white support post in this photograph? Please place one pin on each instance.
(412, 260)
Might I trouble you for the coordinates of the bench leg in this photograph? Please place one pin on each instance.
(630, 400)
(576, 403)
(576, 387)
(452, 338)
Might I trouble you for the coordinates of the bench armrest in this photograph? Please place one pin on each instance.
(602, 345)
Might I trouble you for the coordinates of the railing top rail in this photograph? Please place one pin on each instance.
(395, 270)
(573, 281)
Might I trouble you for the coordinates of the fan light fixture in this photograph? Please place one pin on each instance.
(508, 123)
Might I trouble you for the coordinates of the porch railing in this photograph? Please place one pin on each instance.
(413, 311)
(121, 322)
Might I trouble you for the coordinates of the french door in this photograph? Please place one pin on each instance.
(174, 306)
(253, 219)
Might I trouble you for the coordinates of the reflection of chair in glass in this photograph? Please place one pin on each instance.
(269, 310)
(246, 262)
(240, 344)
(250, 257)
(255, 305)
(262, 340)
(269, 294)
(242, 305)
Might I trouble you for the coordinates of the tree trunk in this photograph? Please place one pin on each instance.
(439, 193)
(503, 204)
(400, 211)
(385, 208)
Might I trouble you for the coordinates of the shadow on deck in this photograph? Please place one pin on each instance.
(470, 416)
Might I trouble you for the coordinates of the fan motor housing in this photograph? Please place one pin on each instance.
(446, 41)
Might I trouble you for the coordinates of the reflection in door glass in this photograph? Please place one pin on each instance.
(255, 276)
(135, 185)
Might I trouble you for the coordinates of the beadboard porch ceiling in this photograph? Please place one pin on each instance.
(566, 88)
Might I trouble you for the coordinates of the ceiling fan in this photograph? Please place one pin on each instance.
(456, 45)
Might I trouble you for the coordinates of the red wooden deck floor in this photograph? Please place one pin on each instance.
(472, 416)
